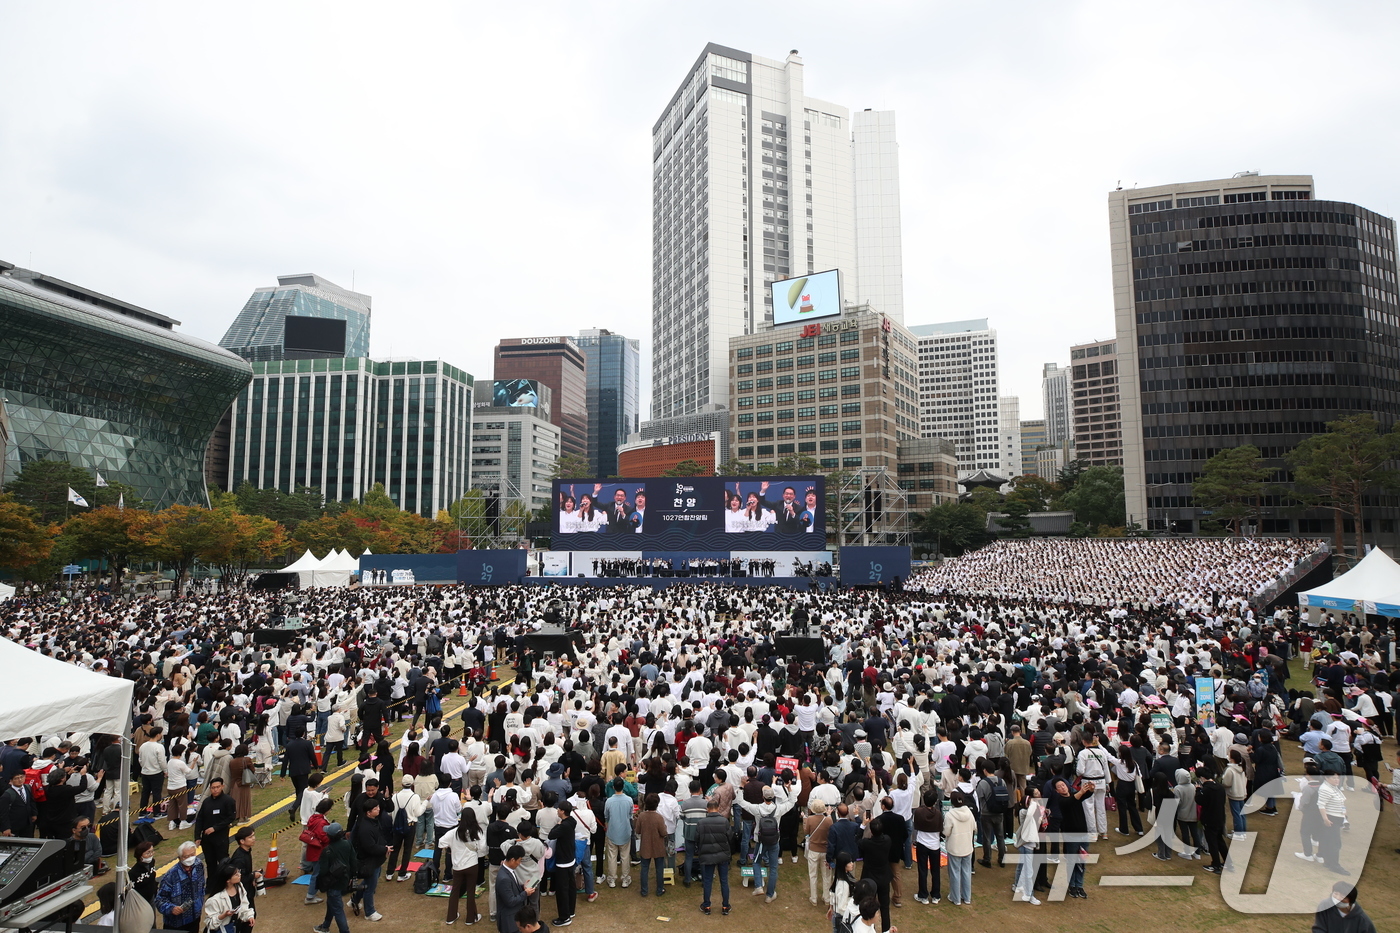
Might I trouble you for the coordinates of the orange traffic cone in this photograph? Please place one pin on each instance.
(462, 687)
(273, 867)
(318, 753)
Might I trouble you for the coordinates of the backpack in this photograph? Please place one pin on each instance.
(840, 923)
(34, 780)
(424, 878)
(401, 823)
(768, 829)
(1000, 797)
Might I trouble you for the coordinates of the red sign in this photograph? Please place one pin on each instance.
(885, 325)
(811, 330)
(789, 764)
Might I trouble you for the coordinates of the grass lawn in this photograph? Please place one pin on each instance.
(1197, 907)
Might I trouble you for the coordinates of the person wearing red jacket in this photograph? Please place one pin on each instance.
(315, 838)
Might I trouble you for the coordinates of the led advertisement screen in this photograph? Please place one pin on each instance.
(807, 298)
(771, 513)
(515, 393)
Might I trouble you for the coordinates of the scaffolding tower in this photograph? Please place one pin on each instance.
(873, 509)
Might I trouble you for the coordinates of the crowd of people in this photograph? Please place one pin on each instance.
(967, 712)
(1187, 573)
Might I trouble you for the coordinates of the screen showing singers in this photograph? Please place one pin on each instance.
(602, 508)
(785, 506)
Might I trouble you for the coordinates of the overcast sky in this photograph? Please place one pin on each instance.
(483, 171)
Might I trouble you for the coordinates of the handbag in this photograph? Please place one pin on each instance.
(246, 778)
(307, 836)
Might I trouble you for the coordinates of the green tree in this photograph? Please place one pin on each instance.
(179, 536)
(1097, 497)
(801, 465)
(109, 534)
(958, 527)
(1069, 476)
(25, 541)
(733, 467)
(287, 509)
(572, 466)
(688, 468)
(236, 542)
(1232, 485)
(1014, 521)
(1335, 470)
(1035, 492)
(43, 486)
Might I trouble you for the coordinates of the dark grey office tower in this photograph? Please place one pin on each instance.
(1248, 312)
(614, 380)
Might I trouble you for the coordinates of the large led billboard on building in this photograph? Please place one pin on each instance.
(515, 393)
(807, 298)
(687, 513)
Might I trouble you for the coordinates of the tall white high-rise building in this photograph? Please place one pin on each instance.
(1054, 386)
(959, 377)
(1009, 436)
(754, 181)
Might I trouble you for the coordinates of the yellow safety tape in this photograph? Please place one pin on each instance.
(330, 778)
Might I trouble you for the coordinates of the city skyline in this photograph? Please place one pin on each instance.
(184, 196)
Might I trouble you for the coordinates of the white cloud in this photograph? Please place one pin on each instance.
(484, 171)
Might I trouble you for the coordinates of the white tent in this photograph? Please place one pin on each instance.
(305, 567)
(1375, 579)
(41, 696)
(6, 592)
(334, 570)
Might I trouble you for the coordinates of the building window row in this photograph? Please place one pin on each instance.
(1246, 428)
(1256, 356)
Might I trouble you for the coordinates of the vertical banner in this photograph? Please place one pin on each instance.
(1205, 702)
(556, 563)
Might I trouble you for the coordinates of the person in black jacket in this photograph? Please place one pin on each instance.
(18, 811)
(371, 712)
(143, 873)
(1211, 797)
(875, 851)
(370, 850)
(211, 825)
(712, 851)
(511, 893)
(242, 858)
(561, 838)
(299, 760)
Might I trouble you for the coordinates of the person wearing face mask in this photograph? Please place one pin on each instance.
(143, 873)
(1341, 914)
(180, 895)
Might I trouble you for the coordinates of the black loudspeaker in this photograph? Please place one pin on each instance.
(741, 573)
(580, 576)
(801, 648)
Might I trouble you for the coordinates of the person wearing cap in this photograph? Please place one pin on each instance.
(337, 868)
(408, 806)
(815, 829)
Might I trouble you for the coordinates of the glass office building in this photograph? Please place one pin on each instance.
(1249, 312)
(342, 425)
(109, 387)
(260, 332)
(614, 380)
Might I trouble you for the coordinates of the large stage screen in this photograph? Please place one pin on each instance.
(689, 513)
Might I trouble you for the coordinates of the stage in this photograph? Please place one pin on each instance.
(801, 584)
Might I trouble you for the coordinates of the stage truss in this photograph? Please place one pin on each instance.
(873, 509)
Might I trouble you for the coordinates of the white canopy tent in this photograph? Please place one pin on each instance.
(305, 568)
(6, 592)
(335, 570)
(40, 696)
(1375, 579)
